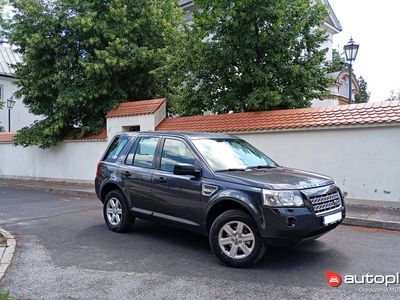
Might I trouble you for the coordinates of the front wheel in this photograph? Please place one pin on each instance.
(116, 212)
(235, 239)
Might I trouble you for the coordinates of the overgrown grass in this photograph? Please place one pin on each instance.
(3, 240)
(5, 295)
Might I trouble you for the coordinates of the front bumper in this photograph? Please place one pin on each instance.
(291, 226)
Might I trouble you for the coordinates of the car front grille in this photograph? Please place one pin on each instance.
(325, 203)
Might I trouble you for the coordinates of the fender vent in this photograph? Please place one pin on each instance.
(208, 190)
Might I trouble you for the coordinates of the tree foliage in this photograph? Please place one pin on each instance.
(81, 58)
(6, 14)
(364, 95)
(337, 63)
(250, 55)
(394, 95)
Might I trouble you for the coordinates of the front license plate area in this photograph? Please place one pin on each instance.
(330, 219)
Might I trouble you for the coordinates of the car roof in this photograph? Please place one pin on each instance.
(187, 134)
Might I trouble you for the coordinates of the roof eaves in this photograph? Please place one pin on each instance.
(325, 117)
(7, 137)
(135, 108)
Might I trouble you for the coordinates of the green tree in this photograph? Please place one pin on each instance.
(6, 14)
(337, 63)
(81, 58)
(364, 95)
(250, 55)
(394, 95)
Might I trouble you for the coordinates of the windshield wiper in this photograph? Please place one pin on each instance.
(231, 170)
(261, 167)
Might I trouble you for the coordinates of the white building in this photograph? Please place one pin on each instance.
(19, 114)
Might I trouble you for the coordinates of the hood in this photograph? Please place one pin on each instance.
(277, 178)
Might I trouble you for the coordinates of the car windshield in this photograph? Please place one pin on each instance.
(232, 155)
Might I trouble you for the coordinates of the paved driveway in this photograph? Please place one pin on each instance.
(66, 252)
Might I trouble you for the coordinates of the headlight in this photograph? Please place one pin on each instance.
(282, 198)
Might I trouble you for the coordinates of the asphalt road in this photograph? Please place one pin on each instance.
(66, 252)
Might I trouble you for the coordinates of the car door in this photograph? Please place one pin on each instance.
(177, 196)
(136, 174)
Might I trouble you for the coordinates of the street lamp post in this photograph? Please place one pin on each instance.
(351, 50)
(10, 105)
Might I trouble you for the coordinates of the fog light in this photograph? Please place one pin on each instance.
(290, 222)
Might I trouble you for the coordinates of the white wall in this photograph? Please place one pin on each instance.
(146, 122)
(71, 161)
(325, 102)
(364, 161)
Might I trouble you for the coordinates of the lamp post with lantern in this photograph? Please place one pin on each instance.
(350, 50)
(10, 105)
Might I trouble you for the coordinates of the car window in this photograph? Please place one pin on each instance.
(115, 148)
(145, 152)
(229, 154)
(175, 152)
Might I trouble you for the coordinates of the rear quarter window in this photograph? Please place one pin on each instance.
(115, 148)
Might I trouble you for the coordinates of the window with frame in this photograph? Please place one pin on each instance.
(143, 153)
(115, 148)
(175, 152)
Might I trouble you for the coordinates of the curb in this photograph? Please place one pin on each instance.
(6, 252)
(56, 190)
(62, 191)
(371, 223)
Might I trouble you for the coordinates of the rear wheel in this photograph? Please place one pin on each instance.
(116, 212)
(235, 239)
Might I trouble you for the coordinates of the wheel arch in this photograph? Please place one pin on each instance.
(108, 187)
(221, 205)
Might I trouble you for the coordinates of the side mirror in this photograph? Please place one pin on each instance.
(186, 169)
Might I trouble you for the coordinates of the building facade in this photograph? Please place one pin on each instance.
(19, 114)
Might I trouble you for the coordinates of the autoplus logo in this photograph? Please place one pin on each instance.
(385, 282)
(333, 279)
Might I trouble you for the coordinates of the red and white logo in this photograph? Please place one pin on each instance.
(333, 279)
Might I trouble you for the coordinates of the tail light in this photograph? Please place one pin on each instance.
(98, 169)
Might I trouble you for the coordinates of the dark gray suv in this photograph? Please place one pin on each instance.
(217, 185)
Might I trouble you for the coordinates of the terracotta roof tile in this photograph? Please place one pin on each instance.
(368, 105)
(6, 137)
(102, 135)
(393, 103)
(353, 114)
(135, 108)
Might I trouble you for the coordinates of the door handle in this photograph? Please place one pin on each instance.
(126, 174)
(162, 180)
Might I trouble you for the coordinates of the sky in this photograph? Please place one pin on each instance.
(375, 26)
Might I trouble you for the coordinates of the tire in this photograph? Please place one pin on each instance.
(116, 212)
(235, 239)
